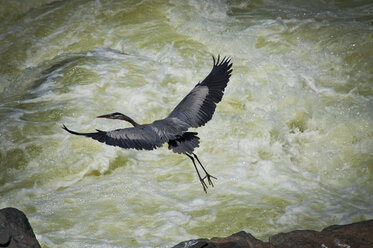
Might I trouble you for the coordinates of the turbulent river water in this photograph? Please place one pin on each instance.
(291, 143)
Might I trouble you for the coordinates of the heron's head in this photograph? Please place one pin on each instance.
(115, 115)
(119, 116)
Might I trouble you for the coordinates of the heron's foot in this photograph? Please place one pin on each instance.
(208, 176)
(204, 185)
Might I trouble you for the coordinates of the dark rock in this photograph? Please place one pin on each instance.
(353, 235)
(347, 236)
(237, 240)
(15, 230)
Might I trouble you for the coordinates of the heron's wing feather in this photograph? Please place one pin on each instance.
(135, 137)
(199, 105)
(146, 137)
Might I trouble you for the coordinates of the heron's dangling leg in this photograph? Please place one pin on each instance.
(207, 174)
(200, 178)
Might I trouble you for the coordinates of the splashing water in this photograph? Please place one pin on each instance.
(291, 143)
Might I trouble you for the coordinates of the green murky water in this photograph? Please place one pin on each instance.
(291, 143)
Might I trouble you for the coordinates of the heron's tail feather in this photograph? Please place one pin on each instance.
(185, 143)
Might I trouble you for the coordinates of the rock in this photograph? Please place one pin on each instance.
(15, 230)
(354, 235)
(347, 236)
(237, 240)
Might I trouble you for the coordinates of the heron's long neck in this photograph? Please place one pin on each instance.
(130, 120)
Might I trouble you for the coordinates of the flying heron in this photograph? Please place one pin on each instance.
(195, 110)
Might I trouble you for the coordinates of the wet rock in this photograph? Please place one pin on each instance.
(354, 235)
(237, 240)
(348, 236)
(15, 230)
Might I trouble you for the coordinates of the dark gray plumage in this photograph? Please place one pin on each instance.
(195, 110)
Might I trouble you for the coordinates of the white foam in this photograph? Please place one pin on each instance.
(290, 143)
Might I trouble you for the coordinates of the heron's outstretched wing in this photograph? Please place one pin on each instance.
(146, 137)
(199, 105)
(126, 138)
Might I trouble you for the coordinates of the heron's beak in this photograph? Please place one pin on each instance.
(104, 116)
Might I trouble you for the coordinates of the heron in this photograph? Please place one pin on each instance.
(194, 110)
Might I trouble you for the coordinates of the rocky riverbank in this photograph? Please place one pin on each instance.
(16, 232)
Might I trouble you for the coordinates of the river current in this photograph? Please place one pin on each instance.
(291, 142)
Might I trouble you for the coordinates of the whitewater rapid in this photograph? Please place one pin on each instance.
(291, 143)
